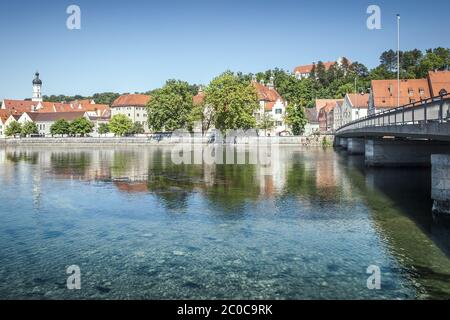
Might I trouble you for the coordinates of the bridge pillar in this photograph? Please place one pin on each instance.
(440, 189)
(336, 141)
(343, 142)
(402, 153)
(356, 146)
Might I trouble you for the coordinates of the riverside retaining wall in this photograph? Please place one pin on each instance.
(311, 141)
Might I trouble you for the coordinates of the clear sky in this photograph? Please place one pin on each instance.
(128, 46)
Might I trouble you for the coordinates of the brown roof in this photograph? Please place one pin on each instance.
(359, 100)
(139, 100)
(4, 115)
(329, 106)
(19, 106)
(265, 93)
(83, 101)
(439, 80)
(308, 68)
(320, 103)
(199, 98)
(385, 92)
(311, 115)
(132, 187)
(55, 116)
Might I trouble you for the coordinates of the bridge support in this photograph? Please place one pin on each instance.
(343, 142)
(440, 190)
(356, 146)
(337, 142)
(401, 153)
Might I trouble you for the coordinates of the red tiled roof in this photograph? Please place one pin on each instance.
(132, 187)
(359, 100)
(268, 106)
(198, 99)
(265, 93)
(439, 80)
(84, 101)
(385, 92)
(308, 68)
(54, 116)
(4, 115)
(19, 106)
(139, 100)
(311, 114)
(329, 106)
(320, 103)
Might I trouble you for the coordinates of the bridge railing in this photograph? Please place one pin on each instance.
(436, 109)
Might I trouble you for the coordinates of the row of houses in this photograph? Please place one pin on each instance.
(44, 114)
(383, 95)
(327, 116)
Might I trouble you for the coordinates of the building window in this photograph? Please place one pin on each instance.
(410, 92)
(278, 111)
(279, 123)
(421, 91)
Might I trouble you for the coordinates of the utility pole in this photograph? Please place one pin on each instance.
(398, 60)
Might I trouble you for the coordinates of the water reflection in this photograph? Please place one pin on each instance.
(306, 226)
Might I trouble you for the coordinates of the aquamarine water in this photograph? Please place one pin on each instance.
(141, 227)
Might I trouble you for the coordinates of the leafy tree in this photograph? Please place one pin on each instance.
(137, 128)
(81, 126)
(103, 128)
(267, 123)
(233, 101)
(388, 60)
(296, 118)
(359, 70)
(100, 98)
(60, 127)
(29, 128)
(120, 124)
(321, 73)
(170, 107)
(204, 114)
(13, 129)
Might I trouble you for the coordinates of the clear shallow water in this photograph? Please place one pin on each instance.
(141, 227)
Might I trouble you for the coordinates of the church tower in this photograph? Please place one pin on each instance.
(37, 84)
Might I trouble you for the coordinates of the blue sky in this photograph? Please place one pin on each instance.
(128, 46)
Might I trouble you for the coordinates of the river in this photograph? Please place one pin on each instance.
(141, 227)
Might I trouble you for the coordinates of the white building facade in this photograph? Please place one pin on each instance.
(134, 106)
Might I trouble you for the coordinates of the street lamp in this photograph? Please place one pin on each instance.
(398, 60)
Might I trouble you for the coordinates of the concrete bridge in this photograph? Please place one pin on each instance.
(416, 134)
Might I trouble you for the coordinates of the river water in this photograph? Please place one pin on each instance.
(308, 226)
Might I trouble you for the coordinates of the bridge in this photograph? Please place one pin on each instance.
(417, 134)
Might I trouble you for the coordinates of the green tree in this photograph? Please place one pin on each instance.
(170, 107)
(267, 123)
(13, 129)
(296, 118)
(60, 127)
(388, 60)
(29, 128)
(81, 126)
(120, 124)
(233, 101)
(137, 128)
(103, 128)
